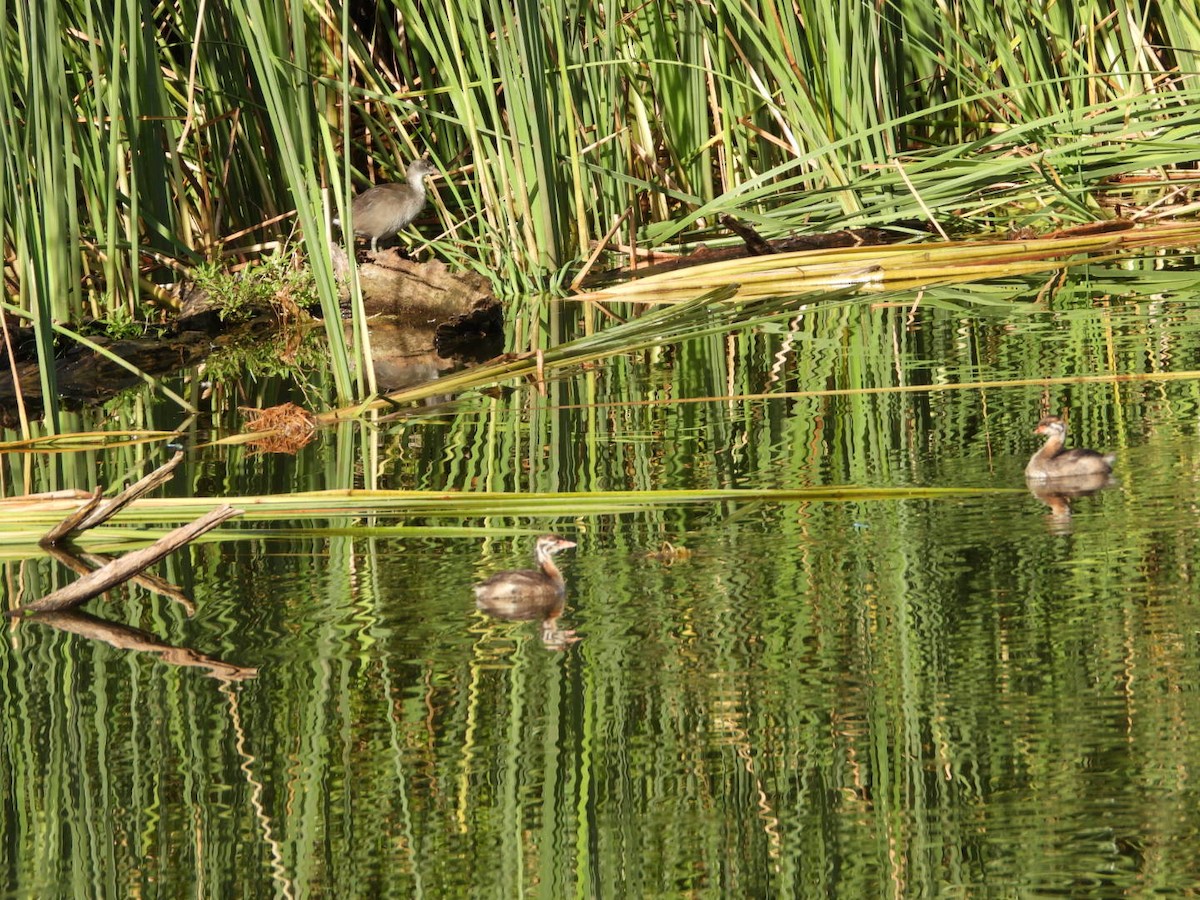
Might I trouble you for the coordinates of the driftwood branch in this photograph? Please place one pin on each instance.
(756, 244)
(130, 564)
(143, 486)
(96, 511)
(71, 522)
(86, 563)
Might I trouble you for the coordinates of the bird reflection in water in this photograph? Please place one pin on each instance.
(530, 595)
(1058, 493)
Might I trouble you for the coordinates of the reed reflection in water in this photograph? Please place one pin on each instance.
(892, 695)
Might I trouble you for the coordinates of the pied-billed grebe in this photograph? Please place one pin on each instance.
(383, 210)
(1052, 461)
(527, 593)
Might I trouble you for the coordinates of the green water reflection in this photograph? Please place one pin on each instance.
(892, 698)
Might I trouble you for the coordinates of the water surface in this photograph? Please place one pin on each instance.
(909, 696)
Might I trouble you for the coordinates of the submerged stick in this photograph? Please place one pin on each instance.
(130, 564)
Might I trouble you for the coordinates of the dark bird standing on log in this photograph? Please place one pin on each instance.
(383, 210)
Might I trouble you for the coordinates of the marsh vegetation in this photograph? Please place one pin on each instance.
(824, 640)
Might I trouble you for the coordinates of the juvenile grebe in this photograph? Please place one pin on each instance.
(1052, 461)
(527, 593)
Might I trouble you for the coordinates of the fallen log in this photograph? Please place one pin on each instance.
(127, 566)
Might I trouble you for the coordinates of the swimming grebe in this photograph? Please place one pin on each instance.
(527, 593)
(1052, 461)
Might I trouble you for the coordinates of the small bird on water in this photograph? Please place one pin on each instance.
(527, 593)
(383, 210)
(1053, 461)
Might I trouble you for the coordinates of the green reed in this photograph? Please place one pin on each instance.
(137, 152)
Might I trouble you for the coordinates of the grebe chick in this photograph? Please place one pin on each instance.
(527, 593)
(1053, 461)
